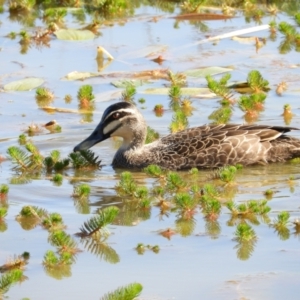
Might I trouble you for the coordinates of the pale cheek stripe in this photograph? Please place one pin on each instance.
(110, 127)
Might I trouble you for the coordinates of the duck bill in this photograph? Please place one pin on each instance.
(96, 137)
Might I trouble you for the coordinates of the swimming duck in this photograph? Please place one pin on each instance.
(208, 146)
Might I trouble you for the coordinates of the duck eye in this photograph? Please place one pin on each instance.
(116, 115)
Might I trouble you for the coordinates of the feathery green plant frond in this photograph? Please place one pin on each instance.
(42, 93)
(129, 93)
(101, 249)
(82, 191)
(220, 88)
(126, 185)
(226, 174)
(85, 93)
(256, 82)
(97, 223)
(52, 221)
(287, 29)
(179, 121)
(128, 292)
(185, 201)
(212, 209)
(141, 192)
(244, 232)
(19, 157)
(33, 211)
(152, 135)
(7, 280)
(250, 207)
(282, 219)
(63, 241)
(221, 115)
(252, 102)
(153, 170)
(57, 179)
(85, 159)
(297, 18)
(53, 260)
(175, 181)
(175, 97)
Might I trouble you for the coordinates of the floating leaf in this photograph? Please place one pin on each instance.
(26, 84)
(75, 75)
(134, 82)
(193, 92)
(203, 72)
(74, 34)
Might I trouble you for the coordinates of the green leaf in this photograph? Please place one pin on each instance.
(74, 34)
(134, 82)
(26, 84)
(203, 72)
(75, 75)
(194, 92)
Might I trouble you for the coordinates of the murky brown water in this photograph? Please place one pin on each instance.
(197, 266)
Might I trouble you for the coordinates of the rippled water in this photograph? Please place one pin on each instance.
(196, 266)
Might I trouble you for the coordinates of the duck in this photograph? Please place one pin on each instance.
(204, 147)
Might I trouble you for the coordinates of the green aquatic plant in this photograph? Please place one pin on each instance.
(43, 93)
(86, 97)
(248, 208)
(152, 135)
(85, 93)
(57, 178)
(211, 209)
(186, 203)
(95, 226)
(220, 87)
(52, 221)
(158, 110)
(175, 97)
(3, 213)
(22, 139)
(179, 121)
(280, 225)
(25, 161)
(55, 15)
(82, 191)
(129, 93)
(226, 174)
(175, 181)
(177, 79)
(63, 242)
(17, 262)
(4, 189)
(253, 102)
(256, 82)
(244, 232)
(85, 159)
(128, 292)
(141, 248)
(154, 171)
(9, 279)
(221, 115)
(53, 260)
(297, 18)
(68, 98)
(126, 185)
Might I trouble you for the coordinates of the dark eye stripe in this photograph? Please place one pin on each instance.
(112, 118)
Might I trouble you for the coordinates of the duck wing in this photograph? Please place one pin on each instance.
(211, 146)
